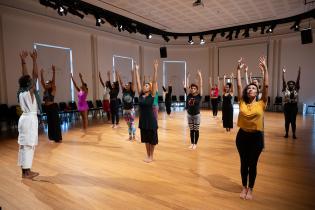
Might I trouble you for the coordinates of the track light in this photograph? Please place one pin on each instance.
(262, 30)
(175, 37)
(190, 40)
(246, 33)
(296, 25)
(202, 41)
(237, 32)
(61, 11)
(223, 33)
(229, 36)
(213, 36)
(166, 38)
(149, 36)
(271, 28)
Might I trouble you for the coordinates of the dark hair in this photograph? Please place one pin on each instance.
(85, 85)
(25, 82)
(291, 81)
(245, 96)
(193, 85)
(229, 84)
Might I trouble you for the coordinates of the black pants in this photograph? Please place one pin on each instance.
(249, 146)
(54, 130)
(290, 111)
(114, 110)
(214, 104)
(168, 105)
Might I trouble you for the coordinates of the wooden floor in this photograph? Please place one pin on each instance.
(101, 170)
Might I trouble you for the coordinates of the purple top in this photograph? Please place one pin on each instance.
(82, 104)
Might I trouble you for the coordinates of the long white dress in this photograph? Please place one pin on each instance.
(28, 130)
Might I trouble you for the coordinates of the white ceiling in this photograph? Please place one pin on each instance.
(181, 16)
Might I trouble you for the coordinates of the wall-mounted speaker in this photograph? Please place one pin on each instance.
(306, 36)
(163, 52)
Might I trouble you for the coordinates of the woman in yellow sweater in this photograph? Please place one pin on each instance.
(249, 139)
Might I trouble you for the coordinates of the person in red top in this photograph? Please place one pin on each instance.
(214, 94)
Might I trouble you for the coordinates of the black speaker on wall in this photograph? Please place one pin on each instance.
(306, 36)
(163, 52)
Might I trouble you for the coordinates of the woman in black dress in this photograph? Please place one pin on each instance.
(168, 97)
(147, 121)
(114, 104)
(54, 130)
(227, 105)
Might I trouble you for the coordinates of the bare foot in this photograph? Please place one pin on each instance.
(29, 175)
(195, 146)
(191, 146)
(243, 193)
(249, 195)
(147, 160)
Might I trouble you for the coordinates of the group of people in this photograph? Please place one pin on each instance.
(252, 103)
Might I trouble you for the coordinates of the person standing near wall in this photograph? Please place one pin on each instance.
(128, 91)
(193, 109)
(28, 122)
(106, 97)
(227, 105)
(249, 139)
(82, 103)
(147, 121)
(114, 104)
(54, 130)
(214, 94)
(290, 92)
(168, 97)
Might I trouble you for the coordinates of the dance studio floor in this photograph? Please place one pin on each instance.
(102, 170)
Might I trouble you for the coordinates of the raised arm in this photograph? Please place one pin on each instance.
(210, 82)
(53, 80)
(133, 80)
(284, 84)
(101, 80)
(81, 78)
(232, 83)
(119, 80)
(23, 56)
(223, 86)
(42, 80)
(263, 67)
(35, 67)
(138, 79)
(200, 82)
(250, 77)
(239, 81)
(297, 84)
(188, 81)
(74, 83)
(154, 79)
(246, 74)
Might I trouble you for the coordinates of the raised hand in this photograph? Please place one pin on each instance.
(245, 67)
(137, 67)
(23, 55)
(263, 63)
(240, 64)
(42, 71)
(53, 67)
(33, 54)
(80, 75)
(224, 76)
(156, 64)
(232, 75)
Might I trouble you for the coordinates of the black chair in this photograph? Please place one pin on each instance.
(174, 100)
(4, 114)
(277, 103)
(182, 101)
(160, 99)
(14, 116)
(92, 108)
(207, 101)
(63, 111)
(73, 109)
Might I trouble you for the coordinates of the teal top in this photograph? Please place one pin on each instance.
(156, 99)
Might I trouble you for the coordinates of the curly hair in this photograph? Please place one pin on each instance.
(193, 85)
(25, 81)
(245, 96)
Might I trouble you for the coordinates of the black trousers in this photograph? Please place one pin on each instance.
(214, 104)
(168, 105)
(249, 146)
(114, 111)
(54, 130)
(290, 111)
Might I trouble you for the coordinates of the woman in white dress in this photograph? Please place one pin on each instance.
(28, 122)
